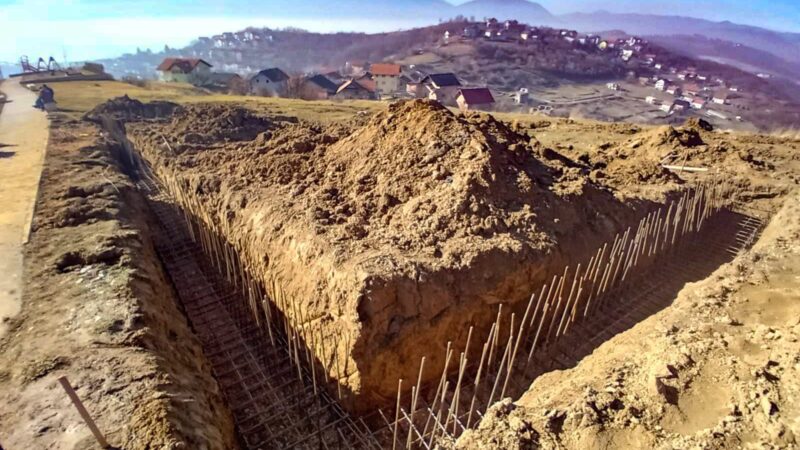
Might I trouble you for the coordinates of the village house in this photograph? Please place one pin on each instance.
(183, 70)
(387, 77)
(226, 82)
(674, 90)
(531, 34)
(612, 86)
(522, 97)
(470, 99)
(720, 98)
(472, 31)
(513, 29)
(627, 54)
(680, 105)
(368, 82)
(269, 82)
(698, 103)
(442, 87)
(666, 107)
(691, 89)
(355, 90)
(317, 87)
(661, 84)
(415, 89)
(650, 100)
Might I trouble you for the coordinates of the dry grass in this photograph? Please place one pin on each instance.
(78, 97)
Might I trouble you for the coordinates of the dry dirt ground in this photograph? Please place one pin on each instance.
(98, 309)
(720, 368)
(23, 137)
(394, 230)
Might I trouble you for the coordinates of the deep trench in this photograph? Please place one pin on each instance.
(274, 388)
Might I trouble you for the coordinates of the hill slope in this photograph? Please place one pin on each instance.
(784, 45)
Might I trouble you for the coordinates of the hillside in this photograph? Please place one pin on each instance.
(783, 45)
(727, 52)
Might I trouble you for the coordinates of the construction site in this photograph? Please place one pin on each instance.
(220, 275)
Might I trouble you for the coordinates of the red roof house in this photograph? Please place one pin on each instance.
(183, 69)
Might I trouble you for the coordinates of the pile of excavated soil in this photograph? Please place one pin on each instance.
(126, 108)
(720, 368)
(628, 158)
(98, 309)
(397, 233)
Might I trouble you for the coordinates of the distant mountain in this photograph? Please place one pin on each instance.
(781, 44)
(522, 10)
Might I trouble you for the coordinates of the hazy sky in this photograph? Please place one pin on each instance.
(87, 29)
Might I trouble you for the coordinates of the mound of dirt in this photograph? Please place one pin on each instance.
(216, 123)
(391, 233)
(126, 108)
(717, 369)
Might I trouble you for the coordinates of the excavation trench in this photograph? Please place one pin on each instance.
(278, 394)
(291, 374)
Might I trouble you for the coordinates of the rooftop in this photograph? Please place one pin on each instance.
(477, 96)
(385, 69)
(184, 65)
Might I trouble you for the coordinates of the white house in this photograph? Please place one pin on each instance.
(627, 54)
(442, 87)
(698, 103)
(387, 77)
(661, 84)
(650, 100)
(720, 98)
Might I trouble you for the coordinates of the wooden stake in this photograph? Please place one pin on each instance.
(87, 418)
(397, 414)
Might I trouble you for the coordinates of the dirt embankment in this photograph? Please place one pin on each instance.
(718, 369)
(98, 309)
(392, 233)
(628, 158)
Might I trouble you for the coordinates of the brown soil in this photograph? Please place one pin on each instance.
(98, 309)
(626, 158)
(718, 369)
(392, 232)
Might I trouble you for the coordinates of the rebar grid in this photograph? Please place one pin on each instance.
(625, 281)
(274, 395)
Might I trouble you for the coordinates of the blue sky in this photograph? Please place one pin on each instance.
(87, 29)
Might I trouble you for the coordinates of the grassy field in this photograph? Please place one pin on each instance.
(76, 98)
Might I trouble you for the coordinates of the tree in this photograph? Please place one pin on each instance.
(294, 86)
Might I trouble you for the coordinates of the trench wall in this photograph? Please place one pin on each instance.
(364, 331)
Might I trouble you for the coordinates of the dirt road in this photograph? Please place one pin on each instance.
(23, 138)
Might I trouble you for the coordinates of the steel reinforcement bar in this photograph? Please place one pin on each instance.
(563, 320)
(270, 382)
